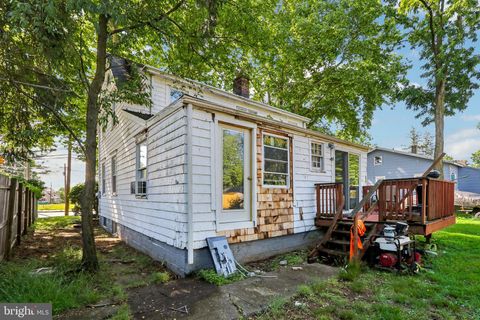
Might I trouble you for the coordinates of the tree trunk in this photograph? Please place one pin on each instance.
(439, 122)
(89, 259)
(68, 175)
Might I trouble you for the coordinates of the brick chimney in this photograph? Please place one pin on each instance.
(414, 148)
(241, 86)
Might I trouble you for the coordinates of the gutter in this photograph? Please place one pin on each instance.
(189, 185)
(207, 105)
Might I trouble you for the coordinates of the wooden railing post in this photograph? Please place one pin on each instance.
(10, 213)
(424, 200)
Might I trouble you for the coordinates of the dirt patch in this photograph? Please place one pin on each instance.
(43, 244)
(168, 301)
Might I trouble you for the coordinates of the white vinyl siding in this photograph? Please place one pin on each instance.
(163, 216)
(304, 179)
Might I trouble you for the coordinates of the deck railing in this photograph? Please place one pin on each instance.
(411, 199)
(414, 199)
(329, 196)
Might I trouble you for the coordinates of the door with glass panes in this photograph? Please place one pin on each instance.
(347, 171)
(235, 173)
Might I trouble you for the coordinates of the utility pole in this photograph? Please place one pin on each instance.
(68, 173)
(26, 172)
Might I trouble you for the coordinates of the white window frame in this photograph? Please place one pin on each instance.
(137, 169)
(375, 163)
(113, 169)
(103, 173)
(287, 186)
(216, 172)
(322, 147)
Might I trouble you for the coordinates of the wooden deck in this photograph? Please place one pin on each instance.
(427, 205)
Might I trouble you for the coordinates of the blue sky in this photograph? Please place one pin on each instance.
(391, 126)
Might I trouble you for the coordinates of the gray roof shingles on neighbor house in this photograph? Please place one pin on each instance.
(393, 164)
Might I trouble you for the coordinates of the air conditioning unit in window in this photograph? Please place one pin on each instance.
(138, 188)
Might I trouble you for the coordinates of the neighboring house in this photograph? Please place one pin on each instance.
(386, 163)
(203, 162)
(469, 179)
(50, 196)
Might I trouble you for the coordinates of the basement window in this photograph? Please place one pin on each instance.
(276, 164)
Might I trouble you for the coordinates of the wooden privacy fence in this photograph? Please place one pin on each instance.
(18, 211)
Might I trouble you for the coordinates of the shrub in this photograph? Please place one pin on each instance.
(160, 277)
(77, 194)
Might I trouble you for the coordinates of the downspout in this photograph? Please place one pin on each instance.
(189, 185)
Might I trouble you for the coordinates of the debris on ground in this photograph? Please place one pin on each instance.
(40, 271)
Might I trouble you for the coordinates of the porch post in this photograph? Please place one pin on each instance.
(189, 185)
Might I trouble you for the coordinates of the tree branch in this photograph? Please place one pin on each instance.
(432, 29)
(145, 23)
(56, 115)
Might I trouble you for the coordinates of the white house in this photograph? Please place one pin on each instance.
(203, 162)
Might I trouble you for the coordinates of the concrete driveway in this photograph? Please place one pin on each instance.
(52, 213)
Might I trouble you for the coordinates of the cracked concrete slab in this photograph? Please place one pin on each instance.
(253, 295)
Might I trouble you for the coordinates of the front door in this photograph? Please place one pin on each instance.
(235, 174)
(347, 171)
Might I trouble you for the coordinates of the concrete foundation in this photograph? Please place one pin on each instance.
(176, 259)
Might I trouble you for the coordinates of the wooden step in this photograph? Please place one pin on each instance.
(344, 232)
(334, 252)
(338, 241)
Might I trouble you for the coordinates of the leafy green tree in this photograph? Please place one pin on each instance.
(76, 39)
(445, 33)
(448, 157)
(333, 61)
(476, 159)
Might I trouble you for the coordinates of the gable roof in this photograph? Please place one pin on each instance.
(415, 155)
(121, 70)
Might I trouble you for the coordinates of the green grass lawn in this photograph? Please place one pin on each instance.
(55, 243)
(53, 206)
(448, 288)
